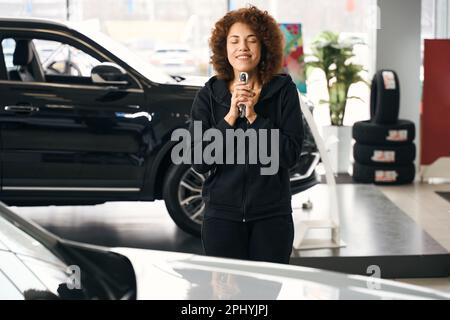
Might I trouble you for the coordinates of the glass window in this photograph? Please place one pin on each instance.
(62, 59)
(50, 9)
(141, 25)
(148, 26)
(8, 46)
(8, 291)
(127, 55)
(56, 58)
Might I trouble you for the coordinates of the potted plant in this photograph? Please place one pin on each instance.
(333, 56)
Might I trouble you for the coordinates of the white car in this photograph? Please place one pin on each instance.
(35, 264)
(176, 60)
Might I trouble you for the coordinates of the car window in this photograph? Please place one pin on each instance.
(22, 243)
(55, 62)
(62, 59)
(33, 278)
(56, 58)
(33, 270)
(8, 46)
(128, 56)
(8, 291)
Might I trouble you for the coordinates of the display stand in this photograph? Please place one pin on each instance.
(302, 227)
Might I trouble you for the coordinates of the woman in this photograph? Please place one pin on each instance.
(248, 215)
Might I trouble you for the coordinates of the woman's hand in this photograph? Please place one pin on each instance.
(243, 94)
(233, 113)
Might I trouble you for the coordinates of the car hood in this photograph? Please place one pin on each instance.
(169, 275)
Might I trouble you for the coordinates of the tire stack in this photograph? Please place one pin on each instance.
(384, 151)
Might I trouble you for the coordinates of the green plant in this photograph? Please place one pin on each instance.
(334, 56)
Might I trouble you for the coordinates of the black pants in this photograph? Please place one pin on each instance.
(267, 239)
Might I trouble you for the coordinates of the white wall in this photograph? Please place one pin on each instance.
(442, 19)
(398, 48)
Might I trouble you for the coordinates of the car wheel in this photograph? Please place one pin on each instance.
(182, 194)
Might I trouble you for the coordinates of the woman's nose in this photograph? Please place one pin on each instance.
(243, 46)
(243, 49)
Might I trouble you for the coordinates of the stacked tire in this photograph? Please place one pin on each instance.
(384, 151)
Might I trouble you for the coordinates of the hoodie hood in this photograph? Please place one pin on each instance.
(219, 90)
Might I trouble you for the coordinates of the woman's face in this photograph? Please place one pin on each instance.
(243, 48)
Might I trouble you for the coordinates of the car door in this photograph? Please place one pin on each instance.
(67, 135)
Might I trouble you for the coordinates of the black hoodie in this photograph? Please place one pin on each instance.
(238, 191)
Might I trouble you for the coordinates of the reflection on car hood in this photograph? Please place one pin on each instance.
(170, 275)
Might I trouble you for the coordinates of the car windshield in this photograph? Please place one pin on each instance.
(28, 269)
(126, 55)
(22, 229)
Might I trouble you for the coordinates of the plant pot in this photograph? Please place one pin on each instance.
(340, 151)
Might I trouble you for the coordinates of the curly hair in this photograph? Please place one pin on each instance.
(267, 32)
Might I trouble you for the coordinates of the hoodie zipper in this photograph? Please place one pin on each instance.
(245, 175)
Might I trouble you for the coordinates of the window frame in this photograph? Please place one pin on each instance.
(69, 39)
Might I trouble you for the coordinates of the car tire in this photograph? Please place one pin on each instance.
(174, 193)
(369, 133)
(384, 155)
(384, 97)
(391, 175)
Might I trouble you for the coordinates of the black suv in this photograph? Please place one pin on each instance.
(83, 120)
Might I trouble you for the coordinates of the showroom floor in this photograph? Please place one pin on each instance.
(431, 212)
(428, 209)
(415, 222)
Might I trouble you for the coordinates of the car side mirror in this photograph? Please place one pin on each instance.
(108, 73)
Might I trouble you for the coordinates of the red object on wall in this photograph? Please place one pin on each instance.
(435, 116)
(350, 5)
